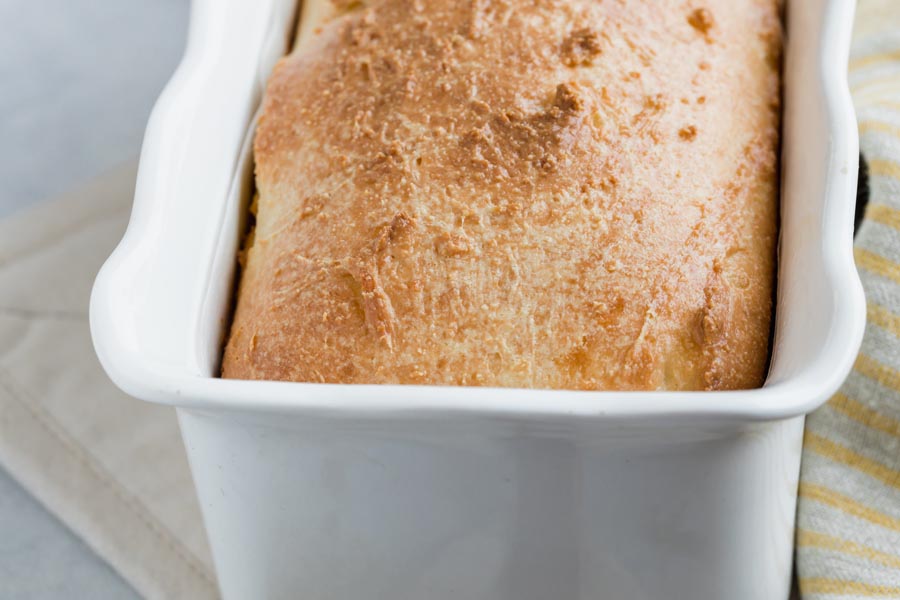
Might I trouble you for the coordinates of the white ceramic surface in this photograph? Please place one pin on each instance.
(402, 492)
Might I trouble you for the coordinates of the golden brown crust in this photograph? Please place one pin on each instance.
(563, 194)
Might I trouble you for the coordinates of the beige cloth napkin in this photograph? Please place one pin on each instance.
(112, 468)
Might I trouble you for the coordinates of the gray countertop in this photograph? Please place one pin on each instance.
(79, 80)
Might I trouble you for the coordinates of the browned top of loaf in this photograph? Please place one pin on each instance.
(568, 194)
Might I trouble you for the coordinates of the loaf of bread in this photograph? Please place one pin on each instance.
(568, 194)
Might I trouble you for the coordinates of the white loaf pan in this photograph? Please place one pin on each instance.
(408, 492)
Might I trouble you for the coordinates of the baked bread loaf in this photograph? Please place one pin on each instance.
(567, 194)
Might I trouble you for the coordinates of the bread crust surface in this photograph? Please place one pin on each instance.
(565, 194)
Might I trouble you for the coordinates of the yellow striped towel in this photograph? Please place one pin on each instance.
(848, 523)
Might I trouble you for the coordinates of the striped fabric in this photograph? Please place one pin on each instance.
(848, 523)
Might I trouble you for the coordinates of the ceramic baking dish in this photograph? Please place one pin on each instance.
(402, 492)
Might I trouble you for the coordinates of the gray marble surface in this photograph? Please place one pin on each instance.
(79, 78)
(77, 81)
(41, 559)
